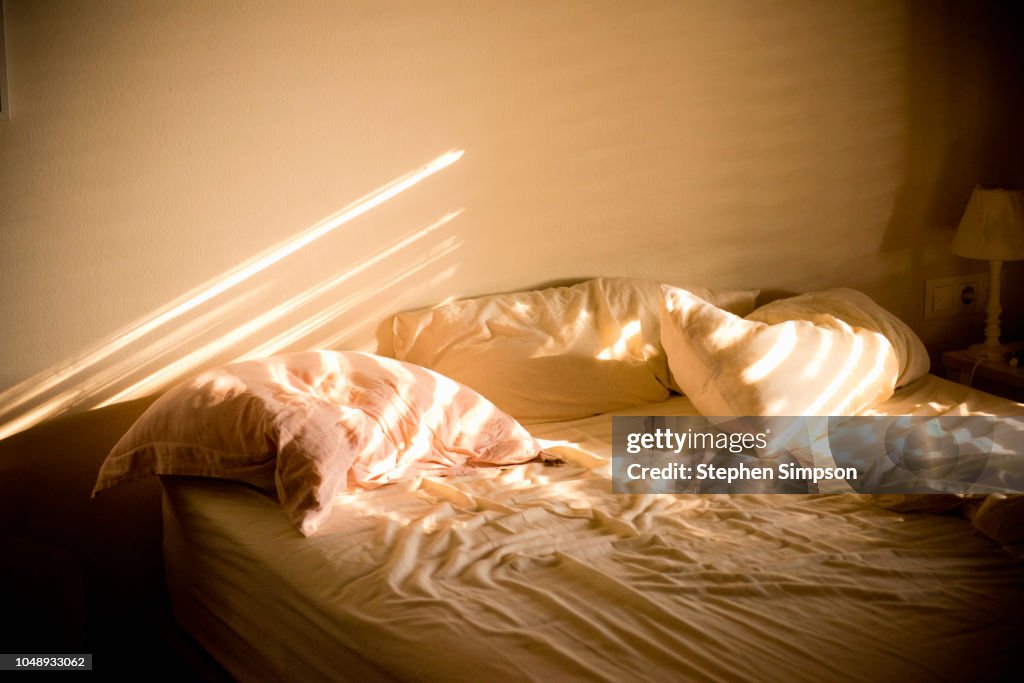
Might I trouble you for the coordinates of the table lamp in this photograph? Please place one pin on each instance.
(992, 229)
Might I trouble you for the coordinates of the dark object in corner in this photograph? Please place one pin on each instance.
(77, 574)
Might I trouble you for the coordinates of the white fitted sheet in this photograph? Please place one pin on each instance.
(533, 572)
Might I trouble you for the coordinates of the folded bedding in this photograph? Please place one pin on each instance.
(558, 353)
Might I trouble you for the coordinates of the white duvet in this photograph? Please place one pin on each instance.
(540, 573)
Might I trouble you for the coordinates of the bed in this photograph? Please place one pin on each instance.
(540, 573)
(439, 567)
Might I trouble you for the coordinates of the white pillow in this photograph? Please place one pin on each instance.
(554, 354)
(728, 365)
(856, 309)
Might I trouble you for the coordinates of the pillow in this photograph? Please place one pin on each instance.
(728, 365)
(1001, 518)
(553, 354)
(998, 515)
(858, 310)
(310, 424)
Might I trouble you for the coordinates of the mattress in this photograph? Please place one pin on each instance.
(541, 573)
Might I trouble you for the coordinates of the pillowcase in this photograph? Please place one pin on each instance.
(1001, 518)
(728, 365)
(856, 309)
(997, 515)
(310, 424)
(554, 354)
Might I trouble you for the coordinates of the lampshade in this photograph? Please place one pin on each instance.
(992, 227)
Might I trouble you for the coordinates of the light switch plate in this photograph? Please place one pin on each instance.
(959, 295)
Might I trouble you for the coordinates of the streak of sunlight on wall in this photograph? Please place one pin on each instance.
(184, 345)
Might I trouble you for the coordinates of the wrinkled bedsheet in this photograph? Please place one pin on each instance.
(540, 573)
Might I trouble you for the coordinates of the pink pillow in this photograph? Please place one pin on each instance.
(311, 424)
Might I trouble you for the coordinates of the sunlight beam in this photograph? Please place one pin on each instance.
(35, 386)
(189, 362)
(852, 359)
(319, 320)
(394, 304)
(620, 348)
(780, 351)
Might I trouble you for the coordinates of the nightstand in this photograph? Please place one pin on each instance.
(995, 377)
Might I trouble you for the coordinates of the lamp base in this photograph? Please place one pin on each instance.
(998, 352)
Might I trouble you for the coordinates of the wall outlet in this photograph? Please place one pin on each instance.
(960, 295)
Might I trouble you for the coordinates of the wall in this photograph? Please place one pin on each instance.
(155, 146)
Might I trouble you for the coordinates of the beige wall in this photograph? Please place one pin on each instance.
(154, 146)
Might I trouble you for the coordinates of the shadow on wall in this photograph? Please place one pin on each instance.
(963, 65)
(253, 311)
